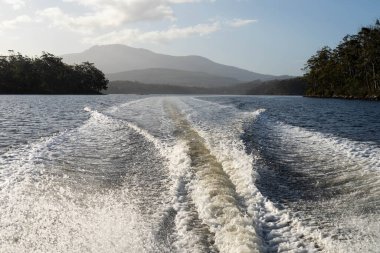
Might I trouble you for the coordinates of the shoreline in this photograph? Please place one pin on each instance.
(52, 94)
(372, 98)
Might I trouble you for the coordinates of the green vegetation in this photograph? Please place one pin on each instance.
(48, 75)
(351, 70)
(292, 86)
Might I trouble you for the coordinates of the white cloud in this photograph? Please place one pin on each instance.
(111, 13)
(16, 4)
(237, 22)
(58, 18)
(14, 23)
(105, 21)
(130, 36)
(126, 10)
(134, 36)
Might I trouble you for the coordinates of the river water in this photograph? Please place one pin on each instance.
(129, 173)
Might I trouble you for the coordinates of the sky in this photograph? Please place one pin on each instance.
(265, 36)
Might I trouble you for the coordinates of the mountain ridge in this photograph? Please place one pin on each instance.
(173, 77)
(117, 58)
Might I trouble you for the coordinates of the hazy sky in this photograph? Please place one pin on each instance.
(266, 36)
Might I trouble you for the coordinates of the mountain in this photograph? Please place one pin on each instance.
(120, 58)
(173, 77)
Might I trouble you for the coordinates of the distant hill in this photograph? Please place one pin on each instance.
(173, 77)
(129, 87)
(294, 86)
(121, 58)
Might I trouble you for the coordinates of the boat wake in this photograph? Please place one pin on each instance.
(181, 174)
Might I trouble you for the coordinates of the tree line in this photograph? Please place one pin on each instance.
(47, 74)
(352, 69)
(292, 86)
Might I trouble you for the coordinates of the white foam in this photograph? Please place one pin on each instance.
(175, 153)
(42, 212)
(26, 161)
(346, 168)
(365, 155)
(44, 216)
(224, 143)
(188, 238)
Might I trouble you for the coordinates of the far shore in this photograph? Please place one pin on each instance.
(369, 98)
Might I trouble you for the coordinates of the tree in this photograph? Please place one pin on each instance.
(48, 74)
(351, 69)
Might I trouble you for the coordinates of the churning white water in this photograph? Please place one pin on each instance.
(186, 174)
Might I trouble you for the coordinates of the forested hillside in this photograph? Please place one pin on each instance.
(292, 86)
(351, 70)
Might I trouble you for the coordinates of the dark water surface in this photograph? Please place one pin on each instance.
(128, 173)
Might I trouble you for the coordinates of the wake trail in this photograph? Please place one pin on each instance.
(276, 229)
(215, 196)
(181, 174)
